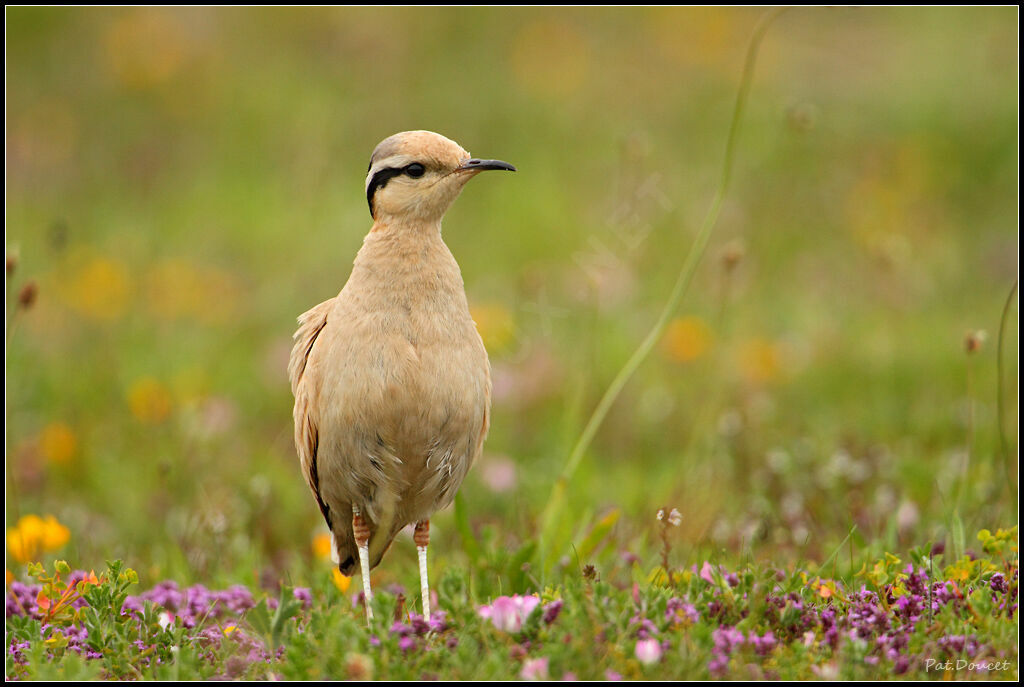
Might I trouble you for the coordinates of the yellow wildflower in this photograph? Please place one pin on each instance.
(149, 400)
(495, 324)
(97, 287)
(340, 581)
(176, 288)
(687, 339)
(33, 536)
(760, 361)
(145, 47)
(322, 545)
(58, 443)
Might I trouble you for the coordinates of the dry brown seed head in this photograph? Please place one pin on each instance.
(27, 295)
(974, 340)
(732, 254)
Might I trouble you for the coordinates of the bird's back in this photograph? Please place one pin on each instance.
(392, 390)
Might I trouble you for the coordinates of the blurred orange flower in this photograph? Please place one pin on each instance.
(145, 47)
(322, 545)
(687, 339)
(340, 581)
(760, 360)
(149, 400)
(33, 536)
(58, 443)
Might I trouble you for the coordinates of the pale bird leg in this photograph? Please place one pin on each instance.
(361, 532)
(421, 535)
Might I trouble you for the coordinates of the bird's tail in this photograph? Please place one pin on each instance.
(345, 553)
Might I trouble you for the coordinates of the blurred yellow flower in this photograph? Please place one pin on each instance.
(149, 400)
(886, 206)
(322, 545)
(340, 581)
(698, 36)
(495, 324)
(687, 338)
(145, 47)
(33, 536)
(550, 58)
(98, 288)
(58, 443)
(760, 360)
(9, 576)
(176, 288)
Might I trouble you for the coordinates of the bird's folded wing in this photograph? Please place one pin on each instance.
(307, 438)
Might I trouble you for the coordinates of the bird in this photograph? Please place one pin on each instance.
(391, 379)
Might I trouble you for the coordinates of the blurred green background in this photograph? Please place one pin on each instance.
(183, 183)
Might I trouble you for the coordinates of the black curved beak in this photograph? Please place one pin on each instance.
(476, 165)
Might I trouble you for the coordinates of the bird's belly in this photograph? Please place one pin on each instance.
(403, 419)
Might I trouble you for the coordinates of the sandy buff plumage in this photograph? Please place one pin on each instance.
(391, 380)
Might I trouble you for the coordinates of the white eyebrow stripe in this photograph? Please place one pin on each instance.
(392, 162)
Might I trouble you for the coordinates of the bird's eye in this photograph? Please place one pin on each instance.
(415, 170)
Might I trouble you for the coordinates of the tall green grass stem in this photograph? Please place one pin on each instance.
(1004, 444)
(556, 503)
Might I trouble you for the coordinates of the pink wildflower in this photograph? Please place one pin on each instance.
(508, 613)
(535, 669)
(648, 651)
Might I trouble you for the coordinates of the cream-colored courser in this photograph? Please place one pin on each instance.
(391, 380)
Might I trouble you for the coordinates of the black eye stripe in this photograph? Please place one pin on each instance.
(380, 180)
(383, 176)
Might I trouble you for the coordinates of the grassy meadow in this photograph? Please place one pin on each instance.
(823, 411)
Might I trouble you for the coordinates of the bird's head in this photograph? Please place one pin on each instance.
(416, 175)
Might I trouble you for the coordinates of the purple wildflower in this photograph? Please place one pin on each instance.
(420, 625)
(401, 629)
(677, 609)
(439, 621)
(551, 611)
(646, 629)
(304, 595)
(763, 645)
(21, 599)
(16, 651)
